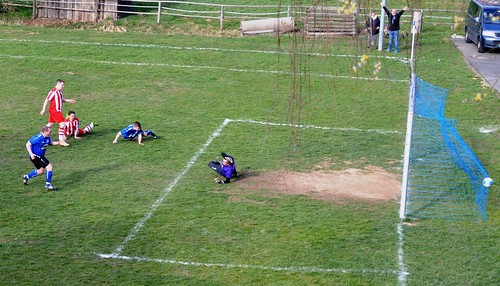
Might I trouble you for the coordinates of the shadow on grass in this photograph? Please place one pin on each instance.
(75, 178)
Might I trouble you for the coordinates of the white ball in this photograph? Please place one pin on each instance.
(488, 182)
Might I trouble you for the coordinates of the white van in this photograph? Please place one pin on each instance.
(482, 24)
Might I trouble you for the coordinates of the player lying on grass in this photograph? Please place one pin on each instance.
(226, 168)
(134, 132)
(36, 147)
(72, 126)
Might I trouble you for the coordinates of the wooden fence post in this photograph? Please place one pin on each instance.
(35, 10)
(159, 13)
(222, 17)
(96, 11)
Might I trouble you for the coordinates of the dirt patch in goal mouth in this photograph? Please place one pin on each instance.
(370, 183)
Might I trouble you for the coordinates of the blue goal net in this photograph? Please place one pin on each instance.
(444, 176)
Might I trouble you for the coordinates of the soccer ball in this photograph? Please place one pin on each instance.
(487, 182)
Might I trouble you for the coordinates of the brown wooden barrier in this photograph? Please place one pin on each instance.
(328, 21)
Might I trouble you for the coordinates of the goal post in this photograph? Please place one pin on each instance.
(406, 157)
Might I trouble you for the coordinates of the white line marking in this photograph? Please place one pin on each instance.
(244, 266)
(489, 129)
(402, 273)
(317, 127)
(168, 190)
(195, 67)
(399, 59)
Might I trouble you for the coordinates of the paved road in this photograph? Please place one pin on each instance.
(486, 64)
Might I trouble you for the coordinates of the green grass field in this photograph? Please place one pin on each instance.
(151, 215)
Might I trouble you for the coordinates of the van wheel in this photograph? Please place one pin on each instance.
(467, 38)
(480, 46)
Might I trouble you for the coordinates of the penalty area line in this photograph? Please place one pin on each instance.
(247, 266)
(197, 67)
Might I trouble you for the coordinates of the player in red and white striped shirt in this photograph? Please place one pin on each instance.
(56, 99)
(72, 126)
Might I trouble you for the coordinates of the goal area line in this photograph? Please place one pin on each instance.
(401, 272)
(305, 269)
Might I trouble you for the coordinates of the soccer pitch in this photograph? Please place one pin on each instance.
(202, 230)
(136, 215)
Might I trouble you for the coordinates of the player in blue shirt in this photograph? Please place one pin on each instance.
(134, 132)
(226, 168)
(36, 147)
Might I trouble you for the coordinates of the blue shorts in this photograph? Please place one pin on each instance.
(126, 136)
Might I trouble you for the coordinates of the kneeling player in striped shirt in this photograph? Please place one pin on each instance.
(72, 126)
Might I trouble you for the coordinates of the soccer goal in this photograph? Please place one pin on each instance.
(442, 176)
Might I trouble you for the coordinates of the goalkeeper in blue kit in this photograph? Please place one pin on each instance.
(226, 168)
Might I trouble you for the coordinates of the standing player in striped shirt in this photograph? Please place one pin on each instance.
(72, 126)
(56, 99)
(36, 147)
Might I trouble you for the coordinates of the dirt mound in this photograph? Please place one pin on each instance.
(371, 183)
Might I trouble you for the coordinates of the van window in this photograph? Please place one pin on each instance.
(474, 10)
(491, 16)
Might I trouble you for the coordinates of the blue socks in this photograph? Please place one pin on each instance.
(32, 174)
(150, 133)
(49, 177)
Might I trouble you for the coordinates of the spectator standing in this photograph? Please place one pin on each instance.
(394, 18)
(373, 29)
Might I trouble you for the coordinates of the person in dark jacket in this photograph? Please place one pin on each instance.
(394, 18)
(372, 28)
(226, 168)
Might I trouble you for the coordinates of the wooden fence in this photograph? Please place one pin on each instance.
(80, 10)
(97, 10)
(329, 21)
